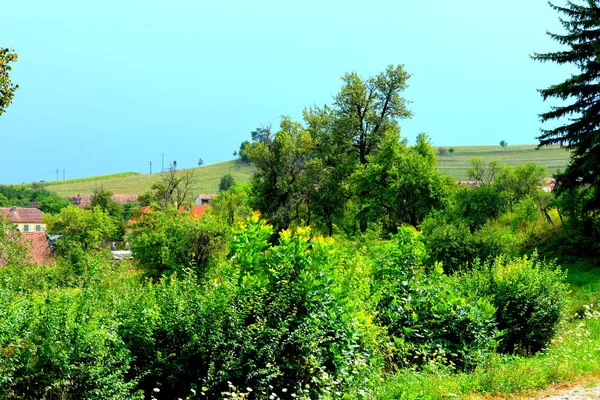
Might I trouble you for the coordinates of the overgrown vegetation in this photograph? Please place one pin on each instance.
(349, 267)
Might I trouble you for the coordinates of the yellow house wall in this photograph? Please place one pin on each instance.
(21, 226)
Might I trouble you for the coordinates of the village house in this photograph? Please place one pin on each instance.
(25, 219)
(204, 199)
(30, 222)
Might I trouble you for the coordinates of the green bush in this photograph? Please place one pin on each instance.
(274, 316)
(457, 248)
(449, 243)
(61, 344)
(164, 242)
(428, 317)
(529, 296)
(479, 205)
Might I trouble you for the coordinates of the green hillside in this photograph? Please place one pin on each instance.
(458, 163)
(207, 178)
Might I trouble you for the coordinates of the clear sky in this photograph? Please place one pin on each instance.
(108, 85)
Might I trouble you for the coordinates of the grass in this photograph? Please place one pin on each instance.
(458, 163)
(86, 180)
(206, 180)
(571, 358)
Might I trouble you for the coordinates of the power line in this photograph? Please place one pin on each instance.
(57, 170)
(150, 162)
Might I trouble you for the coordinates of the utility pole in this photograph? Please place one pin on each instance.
(150, 162)
(162, 169)
(57, 170)
(63, 174)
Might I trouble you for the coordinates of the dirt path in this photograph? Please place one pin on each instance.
(585, 392)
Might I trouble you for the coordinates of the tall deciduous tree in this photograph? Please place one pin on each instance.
(580, 114)
(366, 109)
(278, 185)
(7, 88)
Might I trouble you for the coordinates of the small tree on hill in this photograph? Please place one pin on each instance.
(227, 181)
(503, 143)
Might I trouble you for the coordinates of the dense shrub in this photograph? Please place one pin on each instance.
(164, 242)
(530, 297)
(449, 243)
(475, 207)
(274, 316)
(457, 248)
(61, 344)
(427, 316)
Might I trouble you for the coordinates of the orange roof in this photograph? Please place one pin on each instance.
(39, 249)
(18, 215)
(198, 211)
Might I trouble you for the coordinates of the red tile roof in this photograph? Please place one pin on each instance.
(39, 249)
(83, 201)
(124, 198)
(18, 215)
(198, 211)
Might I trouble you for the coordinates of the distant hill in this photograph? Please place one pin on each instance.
(207, 178)
(457, 164)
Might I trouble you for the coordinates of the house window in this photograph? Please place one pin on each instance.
(38, 228)
(25, 228)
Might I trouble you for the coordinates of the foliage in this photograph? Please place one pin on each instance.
(365, 109)
(529, 296)
(173, 187)
(232, 205)
(453, 244)
(12, 249)
(7, 88)
(429, 319)
(518, 183)
(200, 162)
(278, 187)
(60, 343)
(227, 181)
(102, 199)
(18, 196)
(478, 205)
(85, 229)
(164, 242)
(399, 184)
(294, 326)
(503, 144)
(483, 174)
(578, 117)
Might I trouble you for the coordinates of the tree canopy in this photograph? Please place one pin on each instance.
(7, 87)
(579, 110)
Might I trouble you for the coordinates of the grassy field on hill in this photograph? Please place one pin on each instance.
(458, 163)
(207, 178)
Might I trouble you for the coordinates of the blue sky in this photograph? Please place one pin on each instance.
(108, 85)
